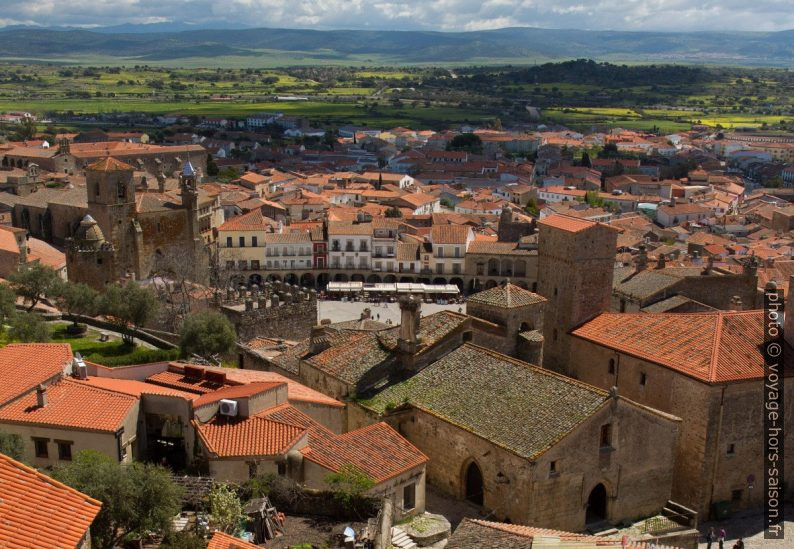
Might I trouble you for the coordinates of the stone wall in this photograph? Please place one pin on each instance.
(279, 310)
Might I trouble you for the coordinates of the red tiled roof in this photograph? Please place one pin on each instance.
(714, 347)
(178, 380)
(450, 234)
(135, 388)
(220, 540)
(378, 450)
(254, 220)
(570, 224)
(235, 391)
(37, 512)
(253, 436)
(72, 404)
(25, 365)
(295, 391)
(109, 164)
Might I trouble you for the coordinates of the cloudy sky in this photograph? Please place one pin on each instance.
(444, 15)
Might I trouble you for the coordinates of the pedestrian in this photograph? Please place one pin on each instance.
(721, 538)
(739, 544)
(710, 537)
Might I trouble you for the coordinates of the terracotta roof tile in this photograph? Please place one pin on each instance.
(220, 540)
(714, 347)
(37, 512)
(254, 220)
(135, 388)
(72, 404)
(236, 391)
(378, 450)
(26, 365)
(253, 436)
(109, 164)
(450, 234)
(570, 224)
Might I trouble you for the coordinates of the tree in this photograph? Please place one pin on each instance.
(27, 129)
(468, 142)
(130, 306)
(77, 299)
(206, 334)
(586, 162)
(8, 301)
(183, 540)
(349, 483)
(12, 446)
(393, 211)
(29, 327)
(136, 498)
(33, 282)
(212, 168)
(226, 509)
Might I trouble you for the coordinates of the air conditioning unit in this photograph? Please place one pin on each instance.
(228, 407)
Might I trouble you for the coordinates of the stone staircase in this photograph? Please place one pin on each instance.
(401, 540)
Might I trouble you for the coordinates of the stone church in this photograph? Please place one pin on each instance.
(133, 235)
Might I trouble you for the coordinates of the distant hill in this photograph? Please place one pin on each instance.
(164, 42)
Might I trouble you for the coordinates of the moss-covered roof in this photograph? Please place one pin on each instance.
(520, 407)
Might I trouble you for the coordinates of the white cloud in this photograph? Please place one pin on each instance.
(414, 14)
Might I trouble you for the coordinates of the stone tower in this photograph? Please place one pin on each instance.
(111, 202)
(90, 258)
(576, 261)
(188, 190)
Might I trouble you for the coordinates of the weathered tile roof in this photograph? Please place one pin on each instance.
(109, 164)
(713, 347)
(571, 224)
(507, 296)
(25, 365)
(350, 359)
(38, 512)
(378, 450)
(72, 404)
(476, 389)
(483, 534)
(449, 234)
(254, 220)
(497, 248)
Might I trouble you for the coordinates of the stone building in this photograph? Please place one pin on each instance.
(576, 260)
(508, 319)
(130, 234)
(707, 369)
(566, 447)
(529, 445)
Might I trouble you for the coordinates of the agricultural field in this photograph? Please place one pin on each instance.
(579, 94)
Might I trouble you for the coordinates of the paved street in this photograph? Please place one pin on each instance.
(749, 527)
(339, 311)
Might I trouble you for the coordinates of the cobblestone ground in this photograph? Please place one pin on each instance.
(339, 311)
(749, 526)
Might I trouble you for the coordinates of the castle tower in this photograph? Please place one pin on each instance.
(576, 261)
(111, 203)
(90, 259)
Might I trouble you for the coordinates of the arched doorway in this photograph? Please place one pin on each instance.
(458, 282)
(322, 280)
(357, 278)
(490, 284)
(525, 327)
(473, 484)
(255, 279)
(291, 278)
(339, 277)
(273, 278)
(307, 280)
(389, 279)
(373, 279)
(596, 505)
(439, 280)
(406, 279)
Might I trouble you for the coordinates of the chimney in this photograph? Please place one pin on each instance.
(709, 265)
(672, 202)
(411, 308)
(642, 258)
(41, 396)
(736, 303)
(661, 263)
(318, 341)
